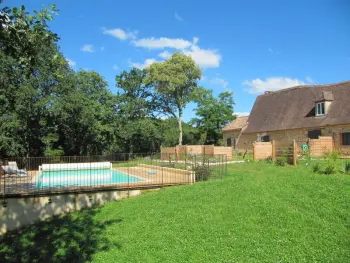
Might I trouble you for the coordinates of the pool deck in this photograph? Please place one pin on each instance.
(150, 175)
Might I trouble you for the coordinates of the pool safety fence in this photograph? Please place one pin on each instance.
(33, 176)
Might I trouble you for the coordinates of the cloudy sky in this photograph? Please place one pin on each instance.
(244, 46)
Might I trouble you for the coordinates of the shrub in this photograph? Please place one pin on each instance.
(330, 167)
(347, 167)
(249, 158)
(281, 161)
(268, 160)
(332, 156)
(316, 168)
(202, 173)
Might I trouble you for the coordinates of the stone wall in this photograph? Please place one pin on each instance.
(27, 210)
(335, 131)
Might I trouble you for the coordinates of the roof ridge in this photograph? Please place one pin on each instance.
(305, 86)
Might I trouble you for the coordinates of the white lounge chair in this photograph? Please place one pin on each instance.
(12, 168)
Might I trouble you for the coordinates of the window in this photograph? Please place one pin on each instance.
(314, 134)
(228, 142)
(346, 138)
(320, 109)
(263, 138)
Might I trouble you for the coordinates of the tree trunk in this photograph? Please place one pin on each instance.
(180, 127)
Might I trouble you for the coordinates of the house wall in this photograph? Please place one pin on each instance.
(243, 142)
(335, 131)
(285, 138)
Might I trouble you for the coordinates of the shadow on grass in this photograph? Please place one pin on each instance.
(70, 238)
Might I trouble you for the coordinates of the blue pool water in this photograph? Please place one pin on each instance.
(83, 178)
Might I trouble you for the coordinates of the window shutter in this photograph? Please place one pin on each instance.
(340, 139)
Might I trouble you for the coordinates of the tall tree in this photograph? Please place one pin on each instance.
(84, 111)
(136, 127)
(31, 70)
(213, 114)
(175, 81)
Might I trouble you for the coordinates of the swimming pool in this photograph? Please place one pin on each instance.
(83, 178)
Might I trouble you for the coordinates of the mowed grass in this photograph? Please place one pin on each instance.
(258, 213)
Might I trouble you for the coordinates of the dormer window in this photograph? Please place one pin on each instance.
(320, 108)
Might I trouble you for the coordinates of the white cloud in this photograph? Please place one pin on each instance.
(219, 81)
(163, 42)
(239, 114)
(309, 79)
(178, 17)
(195, 40)
(206, 58)
(165, 54)
(115, 67)
(120, 33)
(271, 84)
(143, 65)
(87, 48)
(71, 63)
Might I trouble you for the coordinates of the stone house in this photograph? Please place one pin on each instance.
(300, 113)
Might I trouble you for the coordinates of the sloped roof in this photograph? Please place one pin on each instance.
(290, 108)
(236, 124)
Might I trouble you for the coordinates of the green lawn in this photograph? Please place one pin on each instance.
(258, 213)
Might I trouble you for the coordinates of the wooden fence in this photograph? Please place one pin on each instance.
(273, 150)
(320, 146)
(181, 151)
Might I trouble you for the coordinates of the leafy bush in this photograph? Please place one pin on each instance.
(249, 158)
(330, 164)
(268, 160)
(329, 168)
(281, 161)
(347, 167)
(203, 173)
(332, 156)
(316, 168)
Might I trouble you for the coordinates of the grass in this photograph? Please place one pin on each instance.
(259, 213)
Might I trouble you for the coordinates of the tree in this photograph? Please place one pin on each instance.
(170, 138)
(213, 114)
(83, 112)
(136, 126)
(31, 70)
(175, 81)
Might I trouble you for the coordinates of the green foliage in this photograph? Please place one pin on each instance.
(175, 81)
(329, 168)
(283, 159)
(347, 167)
(203, 173)
(269, 160)
(213, 114)
(316, 167)
(330, 163)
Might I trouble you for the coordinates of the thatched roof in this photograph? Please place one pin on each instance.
(236, 124)
(293, 108)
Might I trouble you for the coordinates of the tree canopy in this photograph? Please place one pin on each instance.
(175, 81)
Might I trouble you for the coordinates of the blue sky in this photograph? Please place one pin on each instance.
(244, 46)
